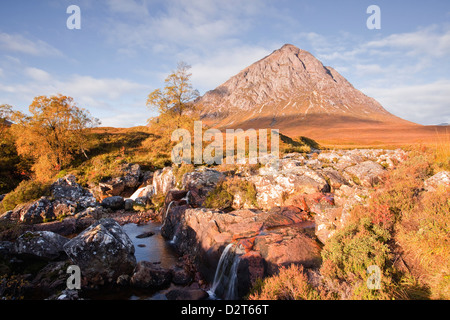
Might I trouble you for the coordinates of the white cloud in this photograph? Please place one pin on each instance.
(427, 103)
(18, 43)
(37, 74)
(428, 41)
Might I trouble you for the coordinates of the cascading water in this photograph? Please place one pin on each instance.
(166, 213)
(225, 278)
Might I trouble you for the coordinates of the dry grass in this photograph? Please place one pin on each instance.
(289, 284)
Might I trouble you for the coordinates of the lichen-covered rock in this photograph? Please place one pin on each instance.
(67, 190)
(41, 244)
(103, 252)
(35, 212)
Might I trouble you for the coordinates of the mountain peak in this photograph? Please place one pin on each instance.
(289, 84)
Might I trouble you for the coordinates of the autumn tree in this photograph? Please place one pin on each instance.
(176, 108)
(53, 134)
(10, 162)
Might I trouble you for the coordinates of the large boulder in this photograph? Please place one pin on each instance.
(103, 252)
(35, 212)
(41, 244)
(68, 191)
(200, 182)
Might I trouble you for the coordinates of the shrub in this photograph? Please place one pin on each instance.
(348, 254)
(290, 283)
(26, 191)
(424, 235)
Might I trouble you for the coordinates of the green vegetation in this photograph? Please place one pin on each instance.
(26, 191)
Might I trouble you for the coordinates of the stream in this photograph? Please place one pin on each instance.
(153, 249)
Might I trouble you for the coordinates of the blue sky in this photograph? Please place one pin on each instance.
(125, 49)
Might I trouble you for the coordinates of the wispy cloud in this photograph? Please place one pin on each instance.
(426, 103)
(19, 43)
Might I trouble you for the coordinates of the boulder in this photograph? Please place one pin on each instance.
(35, 212)
(199, 183)
(282, 247)
(439, 179)
(148, 275)
(110, 188)
(132, 175)
(114, 203)
(68, 191)
(41, 244)
(273, 189)
(366, 173)
(103, 252)
(146, 192)
(163, 180)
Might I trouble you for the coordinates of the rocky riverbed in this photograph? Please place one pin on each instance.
(297, 205)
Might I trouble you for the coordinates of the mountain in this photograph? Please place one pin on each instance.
(293, 91)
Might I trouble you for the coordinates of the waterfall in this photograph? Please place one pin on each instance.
(226, 273)
(166, 213)
(186, 198)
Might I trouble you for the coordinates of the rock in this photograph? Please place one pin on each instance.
(123, 280)
(65, 227)
(35, 212)
(181, 276)
(2, 196)
(103, 252)
(273, 189)
(439, 179)
(187, 294)
(366, 173)
(52, 278)
(128, 204)
(146, 192)
(286, 246)
(335, 179)
(145, 235)
(114, 203)
(150, 276)
(132, 175)
(63, 208)
(111, 187)
(41, 244)
(202, 178)
(284, 216)
(68, 191)
(163, 180)
(8, 215)
(199, 183)
(6, 249)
